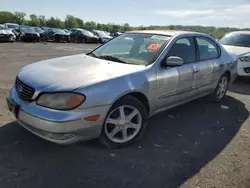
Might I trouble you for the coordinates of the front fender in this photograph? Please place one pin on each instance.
(107, 92)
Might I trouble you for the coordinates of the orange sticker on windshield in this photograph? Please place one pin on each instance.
(153, 47)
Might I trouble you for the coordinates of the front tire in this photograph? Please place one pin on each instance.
(124, 123)
(221, 89)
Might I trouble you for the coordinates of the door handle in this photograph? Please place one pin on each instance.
(196, 70)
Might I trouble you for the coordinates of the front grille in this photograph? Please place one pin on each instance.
(5, 35)
(24, 91)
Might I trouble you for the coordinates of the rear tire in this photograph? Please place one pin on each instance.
(125, 122)
(221, 89)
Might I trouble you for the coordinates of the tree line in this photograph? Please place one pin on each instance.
(74, 22)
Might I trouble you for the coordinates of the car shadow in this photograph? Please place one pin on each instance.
(175, 146)
(241, 86)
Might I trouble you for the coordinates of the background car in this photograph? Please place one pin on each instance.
(108, 33)
(56, 35)
(26, 33)
(6, 34)
(66, 31)
(238, 43)
(83, 36)
(11, 25)
(40, 31)
(44, 28)
(103, 37)
(115, 34)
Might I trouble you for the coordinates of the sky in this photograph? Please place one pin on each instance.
(219, 13)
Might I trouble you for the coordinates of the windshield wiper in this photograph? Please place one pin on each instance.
(94, 55)
(113, 58)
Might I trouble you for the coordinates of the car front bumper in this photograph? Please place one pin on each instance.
(62, 38)
(61, 127)
(92, 40)
(243, 68)
(31, 38)
(8, 38)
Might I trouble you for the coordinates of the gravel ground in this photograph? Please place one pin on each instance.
(200, 144)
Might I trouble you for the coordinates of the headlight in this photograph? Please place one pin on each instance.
(61, 101)
(245, 59)
(38, 34)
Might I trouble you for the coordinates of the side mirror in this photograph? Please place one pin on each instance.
(174, 61)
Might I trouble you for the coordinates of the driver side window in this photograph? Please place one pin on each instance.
(185, 49)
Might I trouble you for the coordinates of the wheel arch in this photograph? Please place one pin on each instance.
(139, 96)
(229, 75)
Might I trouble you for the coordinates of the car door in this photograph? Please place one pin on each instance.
(208, 63)
(51, 34)
(79, 36)
(175, 83)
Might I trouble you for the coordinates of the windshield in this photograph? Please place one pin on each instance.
(11, 26)
(39, 30)
(27, 29)
(87, 33)
(139, 49)
(59, 31)
(101, 33)
(2, 27)
(236, 39)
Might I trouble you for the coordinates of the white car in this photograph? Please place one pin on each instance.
(238, 43)
(6, 34)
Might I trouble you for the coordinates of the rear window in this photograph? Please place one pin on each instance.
(208, 49)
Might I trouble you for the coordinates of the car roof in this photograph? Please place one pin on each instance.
(241, 32)
(11, 24)
(24, 26)
(163, 32)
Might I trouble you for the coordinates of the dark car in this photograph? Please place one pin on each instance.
(66, 31)
(103, 37)
(56, 35)
(115, 34)
(40, 31)
(26, 33)
(44, 28)
(83, 36)
(6, 35)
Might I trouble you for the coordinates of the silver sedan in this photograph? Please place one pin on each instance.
(111, 92)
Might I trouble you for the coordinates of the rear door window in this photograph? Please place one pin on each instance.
(208, 49)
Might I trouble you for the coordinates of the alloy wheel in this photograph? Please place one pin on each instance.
(222, 87)
(123, 124)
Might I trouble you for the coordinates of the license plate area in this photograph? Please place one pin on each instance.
(13, 107)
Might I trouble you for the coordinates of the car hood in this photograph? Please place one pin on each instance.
(64, 34)
(6, 31)
(237, 50)
(71, 72)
